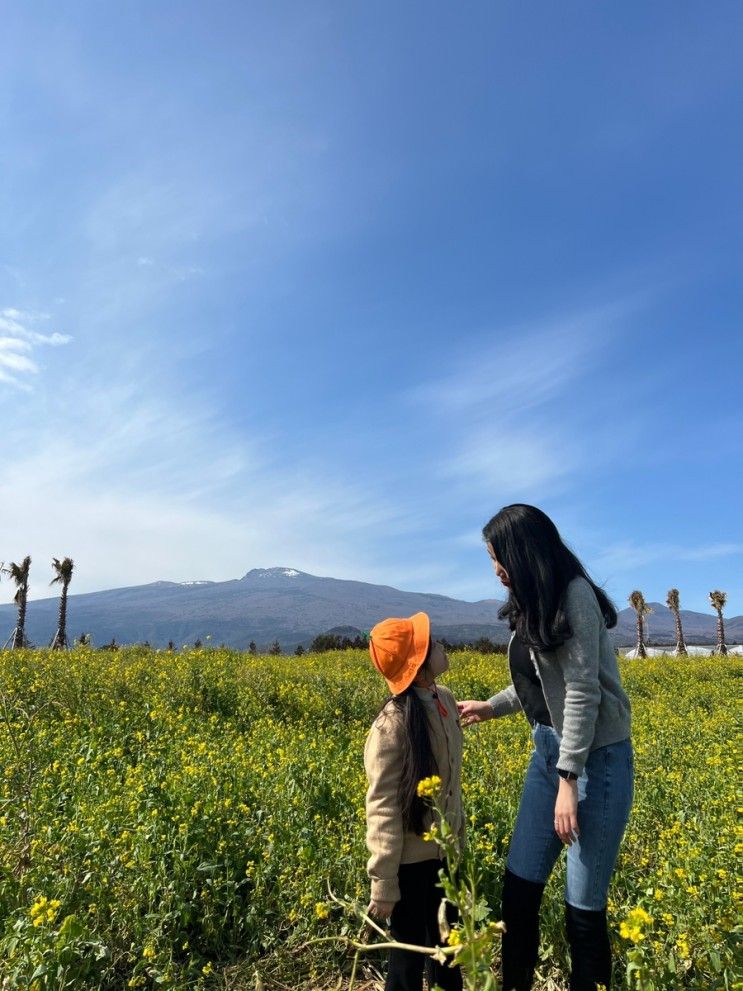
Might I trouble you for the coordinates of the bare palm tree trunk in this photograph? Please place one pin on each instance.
(680, 642)
(19, 635)
(721, 648)
(60, 637)
(641, 652)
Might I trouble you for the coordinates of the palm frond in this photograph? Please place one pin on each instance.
(637, 600)
(18, 572)
(718, 599)
(673, 599)
(63, 570)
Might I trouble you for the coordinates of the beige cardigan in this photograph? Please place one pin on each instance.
(388, 844)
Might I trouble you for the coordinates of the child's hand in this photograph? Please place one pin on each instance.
(380, 910)
(471, 712)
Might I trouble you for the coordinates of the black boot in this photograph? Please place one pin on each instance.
(590, 949)
(520, 912)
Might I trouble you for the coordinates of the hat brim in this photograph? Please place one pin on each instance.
(421, 640)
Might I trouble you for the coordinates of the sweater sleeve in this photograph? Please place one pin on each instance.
(384, 831)
(580, 668)
(505, 703)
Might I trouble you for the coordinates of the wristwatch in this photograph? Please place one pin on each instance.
(568, 775)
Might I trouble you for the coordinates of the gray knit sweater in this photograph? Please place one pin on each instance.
(582, 687)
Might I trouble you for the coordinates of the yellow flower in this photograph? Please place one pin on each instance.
(455, 937)
(682, 945)
(321, 910)
(429, 787)
(149, 953)
(207, 968)
(632, 927)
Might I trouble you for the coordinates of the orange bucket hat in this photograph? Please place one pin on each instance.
(398, 648)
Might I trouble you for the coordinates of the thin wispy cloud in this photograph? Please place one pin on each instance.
(509, 409)
(629, 556)
(146, 487)
(512, 463)
(526, 365)
(18, 343)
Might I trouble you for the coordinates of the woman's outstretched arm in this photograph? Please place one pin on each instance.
(505, 703)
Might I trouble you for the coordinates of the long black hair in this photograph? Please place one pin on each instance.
(540, 566)
(418, 761)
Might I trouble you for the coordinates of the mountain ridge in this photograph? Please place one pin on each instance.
(293, 607)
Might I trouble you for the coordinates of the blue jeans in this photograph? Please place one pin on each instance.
(604, 800)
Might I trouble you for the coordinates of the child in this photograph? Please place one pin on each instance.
(416, 734)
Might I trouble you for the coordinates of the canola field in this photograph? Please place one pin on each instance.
(174, 820)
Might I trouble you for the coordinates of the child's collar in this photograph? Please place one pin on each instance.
(430, 694)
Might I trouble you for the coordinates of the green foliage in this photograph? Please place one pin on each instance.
(182, 813)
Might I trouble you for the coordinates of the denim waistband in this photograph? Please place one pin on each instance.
(546, 740)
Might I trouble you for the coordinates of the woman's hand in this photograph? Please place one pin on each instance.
(472, 711)
(566, 812)
(380, 910)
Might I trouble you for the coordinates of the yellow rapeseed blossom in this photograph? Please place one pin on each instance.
(633, 927)
(429, 787)
(682, 945)
(244, 797)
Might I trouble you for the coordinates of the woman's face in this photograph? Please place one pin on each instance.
(500, 571)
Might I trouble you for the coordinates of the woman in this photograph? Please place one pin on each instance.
(578, 786)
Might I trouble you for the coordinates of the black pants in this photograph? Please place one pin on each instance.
(415, 920)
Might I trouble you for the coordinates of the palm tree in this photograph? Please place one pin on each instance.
(63, 577)
(673, 603)
(19, 574)
(637, 601)
(718, 600)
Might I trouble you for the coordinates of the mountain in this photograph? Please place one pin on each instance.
(293, 607)
(264, 605)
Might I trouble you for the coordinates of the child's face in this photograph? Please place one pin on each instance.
(438, 662)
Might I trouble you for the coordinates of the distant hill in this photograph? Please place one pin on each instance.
(264, 605)
(293, 607)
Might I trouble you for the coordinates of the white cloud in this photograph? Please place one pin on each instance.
(624, 556)
(508, 411)
(135, 487)
(18, 342)
(511, 463)
(525, 366)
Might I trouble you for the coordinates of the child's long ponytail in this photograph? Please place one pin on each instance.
(418, 761)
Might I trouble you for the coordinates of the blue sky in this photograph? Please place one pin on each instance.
(326, 285)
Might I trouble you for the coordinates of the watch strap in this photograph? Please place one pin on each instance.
(568, 775)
